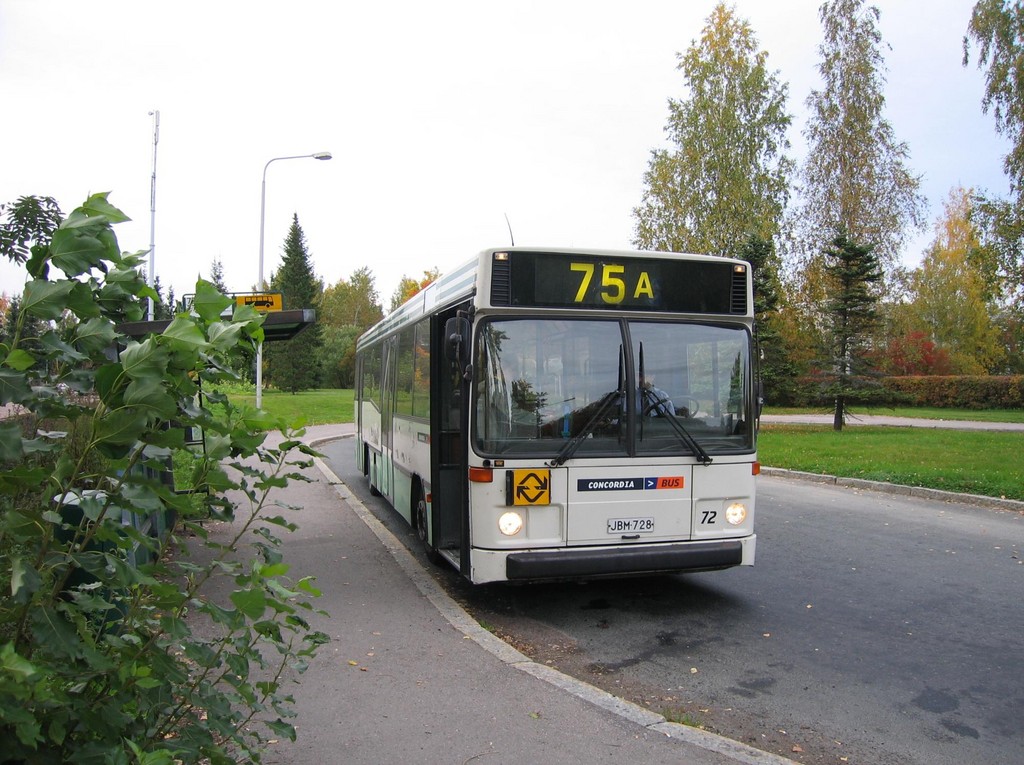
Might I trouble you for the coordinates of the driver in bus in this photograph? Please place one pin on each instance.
(654, 401)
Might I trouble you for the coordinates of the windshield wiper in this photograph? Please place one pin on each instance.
(611, 397)
(656, 401)
(684, 435)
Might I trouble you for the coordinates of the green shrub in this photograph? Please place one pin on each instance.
(944, 392)
(98, 659)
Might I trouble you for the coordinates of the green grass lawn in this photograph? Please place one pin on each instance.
(315, 407)
(975, 462)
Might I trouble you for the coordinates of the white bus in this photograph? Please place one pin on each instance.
(560, 414)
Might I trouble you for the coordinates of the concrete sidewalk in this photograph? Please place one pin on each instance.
(409, 677)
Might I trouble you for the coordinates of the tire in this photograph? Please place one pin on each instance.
(366, 470)
(421, 522)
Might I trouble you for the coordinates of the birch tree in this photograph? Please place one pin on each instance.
(997, 29)
(856, 178)
(726, 177)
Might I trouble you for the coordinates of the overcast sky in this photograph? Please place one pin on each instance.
(443, 117)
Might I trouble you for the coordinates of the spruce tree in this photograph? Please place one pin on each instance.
(295, 364)
(853, 271)
(217, 276)
(162, 309)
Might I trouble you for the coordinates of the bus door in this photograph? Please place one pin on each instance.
(386, 476)
(448, 444)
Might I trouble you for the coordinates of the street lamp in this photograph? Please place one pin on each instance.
(259, 284)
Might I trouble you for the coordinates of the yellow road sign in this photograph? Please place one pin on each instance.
(262, 301)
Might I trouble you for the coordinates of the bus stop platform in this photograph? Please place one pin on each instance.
(409, 677)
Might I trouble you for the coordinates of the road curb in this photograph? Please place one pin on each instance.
(995, 503)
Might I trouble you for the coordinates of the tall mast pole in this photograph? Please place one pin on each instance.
(152, 211)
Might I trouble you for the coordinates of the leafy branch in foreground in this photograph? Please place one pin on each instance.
(112, 647)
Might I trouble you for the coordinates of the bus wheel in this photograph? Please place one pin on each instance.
(369, 473)
(421, 525)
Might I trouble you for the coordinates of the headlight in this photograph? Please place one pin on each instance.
(736, 513)
(510, 524)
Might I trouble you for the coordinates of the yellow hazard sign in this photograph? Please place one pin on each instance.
(531, 486)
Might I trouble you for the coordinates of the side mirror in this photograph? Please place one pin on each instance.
(456, 340)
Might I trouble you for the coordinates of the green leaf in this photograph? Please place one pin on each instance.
(109, 384)
(145, 359)
(76, 251)
(98, 206)
(38, 266)
(24, 580)
(14, 388)
(218, 446)
(280, 520)
(10, 442)
(95, 335)
(171, 439)
(245, 314)
(19, 360)
(209, 303)
(150, 393)
(306, 585)
(183, 330)
(274, 569)
(22, 477)
(224, 336)
(60, 350)
(252, 603)
(115, 300)
(58, 636)
(57, 732)
(14, 664)
(81, 301)
(47, 300)
(282, 729)
(121, 426)
(20, 527)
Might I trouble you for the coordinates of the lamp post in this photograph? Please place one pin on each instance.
(259, 284)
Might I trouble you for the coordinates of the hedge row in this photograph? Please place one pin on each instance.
(961, 392)
(952, 392)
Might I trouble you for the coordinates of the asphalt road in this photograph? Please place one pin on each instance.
(877, 628)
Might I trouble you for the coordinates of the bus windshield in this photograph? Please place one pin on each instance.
(619, 387)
